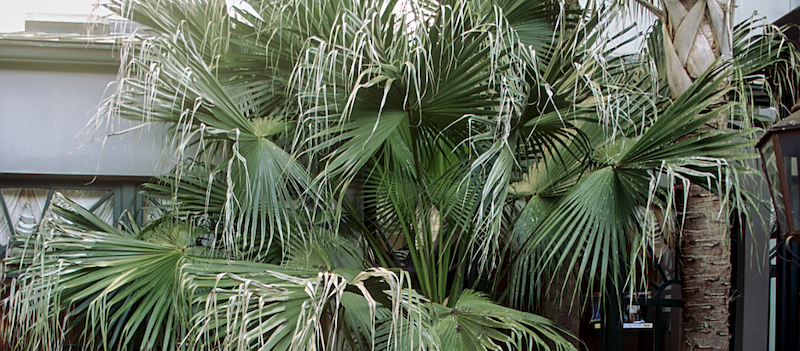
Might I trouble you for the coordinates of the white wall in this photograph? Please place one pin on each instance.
(772, 9)
(42, 114)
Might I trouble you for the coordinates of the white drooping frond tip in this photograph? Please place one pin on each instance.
(304, 312)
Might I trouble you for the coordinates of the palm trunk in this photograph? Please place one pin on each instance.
(705, 273)
(698, 32)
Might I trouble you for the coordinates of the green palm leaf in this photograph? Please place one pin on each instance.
(120, 290)
(476, 323)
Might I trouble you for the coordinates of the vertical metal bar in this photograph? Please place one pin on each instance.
(612, 333)
(780, 297)
(8, 217)
(793, 322)
(787, 323)
(138, 209)
(127, 200)
(47, 202)
(118, 204)
(657, 337)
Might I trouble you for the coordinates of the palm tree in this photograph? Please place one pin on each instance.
(452, 146)
(698, 36)
(691, 48)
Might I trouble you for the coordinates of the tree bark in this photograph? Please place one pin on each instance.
(705, 273)
(704, 250)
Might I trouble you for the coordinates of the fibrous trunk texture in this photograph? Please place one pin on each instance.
(705, 273)
(698, 33)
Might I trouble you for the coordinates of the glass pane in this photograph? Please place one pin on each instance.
(25, 208)
(4, 232)
(87, 198)
(151, 209)
(790, 151)
(106, 210)
(771, 166)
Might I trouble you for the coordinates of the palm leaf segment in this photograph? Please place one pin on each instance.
(156, 288)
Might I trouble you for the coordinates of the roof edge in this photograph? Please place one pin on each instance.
(59, 50)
